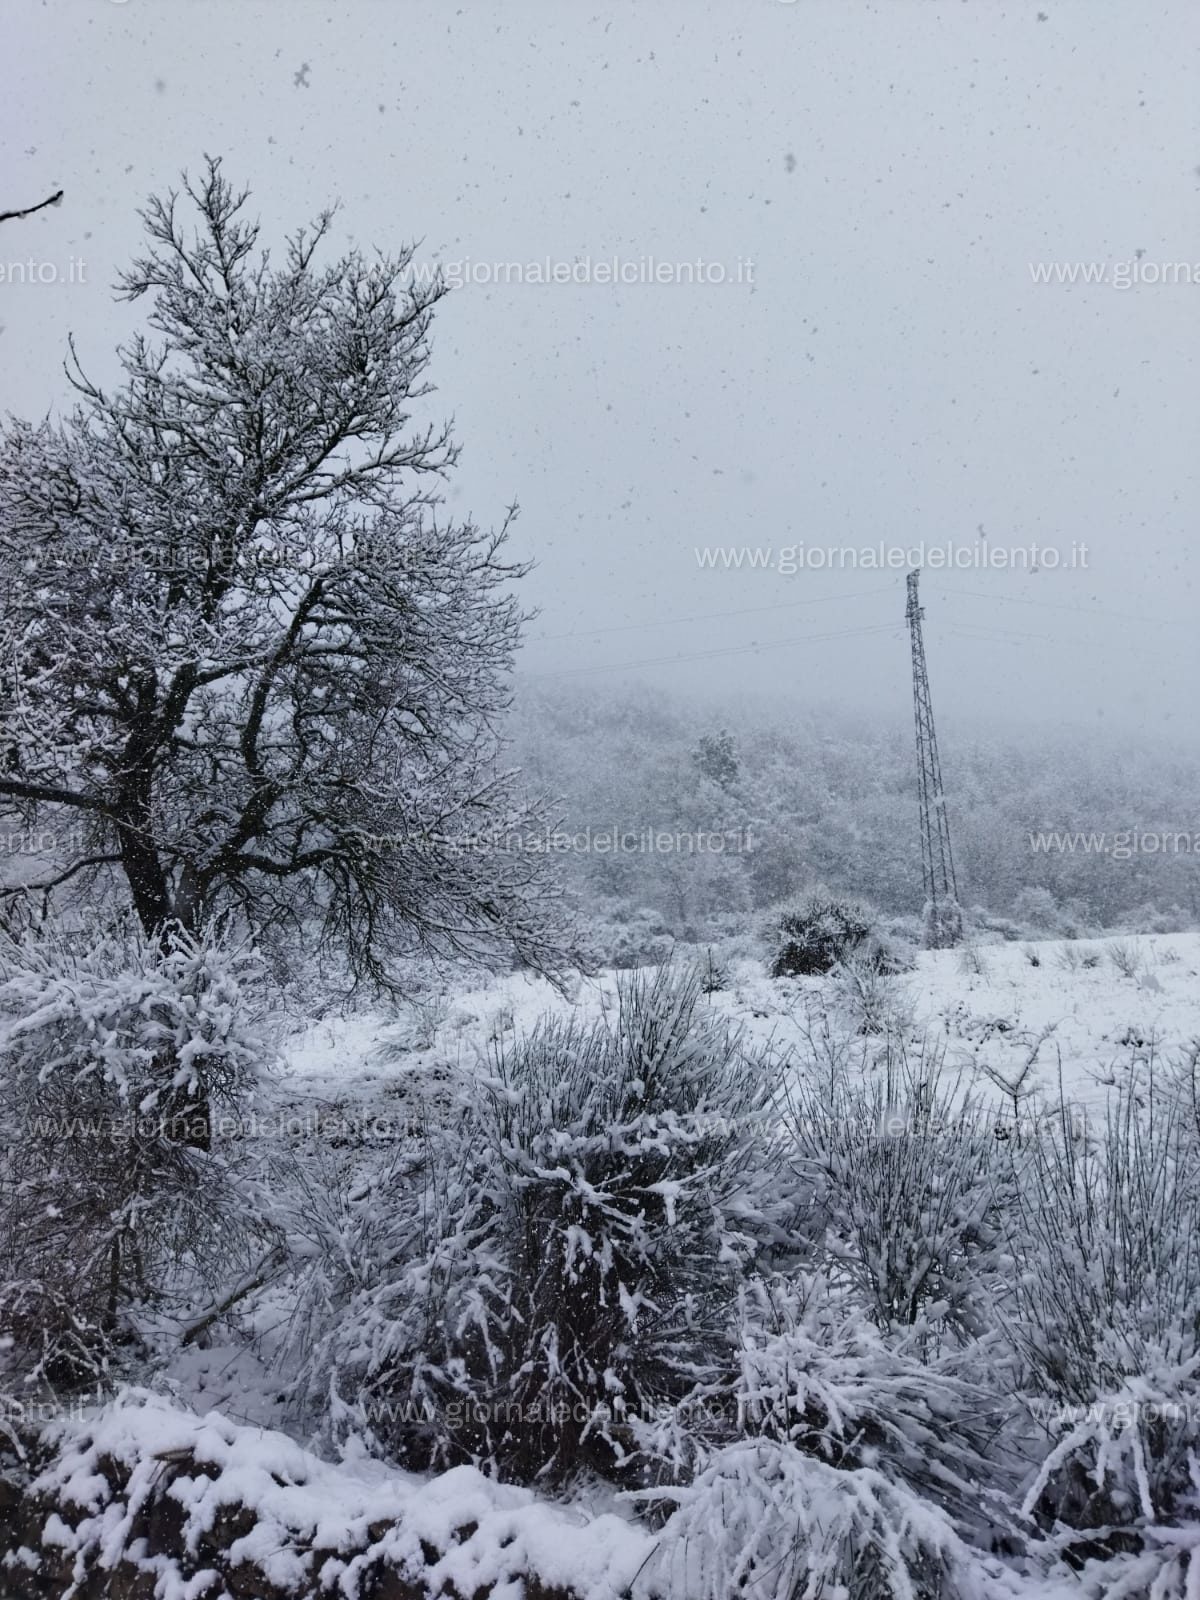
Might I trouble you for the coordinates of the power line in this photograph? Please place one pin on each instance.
(1051, 605)
(709, 655)
(981, 633)
(706, 616)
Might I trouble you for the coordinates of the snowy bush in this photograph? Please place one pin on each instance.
(970, 963)
(1165, 1566)
(845, 1465)
(813, 938)
(981, 926)
(765, 1521)
(1150, 919)
(108, 1056)
(910, 1179)
(811, 1371)
(621, 937)
(942, 924)
(715, 974)
(869, 998)
(1106, 1321)
(1066, 956)
(1126, 957)
(563, 1260)
(1038, 909)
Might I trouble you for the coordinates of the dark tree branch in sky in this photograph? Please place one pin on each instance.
(55, 199)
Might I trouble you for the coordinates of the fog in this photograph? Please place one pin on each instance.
(878, 187)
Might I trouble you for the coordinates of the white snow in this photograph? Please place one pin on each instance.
(314, 1516)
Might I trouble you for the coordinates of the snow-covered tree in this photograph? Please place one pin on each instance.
(716, 758)
(242, 651)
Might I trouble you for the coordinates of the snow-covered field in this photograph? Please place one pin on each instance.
(1087, 1012)
(1054, 1018)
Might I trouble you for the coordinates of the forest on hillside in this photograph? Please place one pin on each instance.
(804, 796)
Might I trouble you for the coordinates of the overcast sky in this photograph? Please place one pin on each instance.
(884, 179)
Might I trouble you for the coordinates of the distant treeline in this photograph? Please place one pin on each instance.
(700, 811)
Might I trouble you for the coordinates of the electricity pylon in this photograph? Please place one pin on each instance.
(943, 919)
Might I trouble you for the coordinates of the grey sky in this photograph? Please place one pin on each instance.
(892, 373)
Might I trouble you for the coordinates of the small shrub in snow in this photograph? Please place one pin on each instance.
(1106, 1320)
(815, 937)
(622, 937)
(106, 1057)
(1037, 907)
(971, 963)
(565, 1258)
(942, 925)
(812, 1372)
(714, 974)
(766, 1521)
(1149, 919)
(870, 998)
(984, 927)
(1067, 956)
(423, 1015)
(911, 1182)
(1126, 957)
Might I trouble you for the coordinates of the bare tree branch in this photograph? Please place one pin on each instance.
(8, 216)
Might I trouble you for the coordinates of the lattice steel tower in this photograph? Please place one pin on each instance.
(943, 919)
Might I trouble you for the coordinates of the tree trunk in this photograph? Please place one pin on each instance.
(187, 1119)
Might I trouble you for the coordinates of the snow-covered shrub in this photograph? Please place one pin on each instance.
(815, 937)
(108, 1057)
(845, 1464)
(1037, 907)
(981, 926)
(764, 1520)
(1042, 917)
(971, 963)
(1105, 1320)
(1149, 918)
(563, 1258)
(942, 924)
(1165, 1569)
(869, 997)
(714, 973)
(621, 937)
(812, 1372)
(1066, 956)
(1126, 957)
(909, 1177)
(422, 1016)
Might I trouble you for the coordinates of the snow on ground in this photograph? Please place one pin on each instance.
(988, 1007)
(317, 1519)
(1091, 1017)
